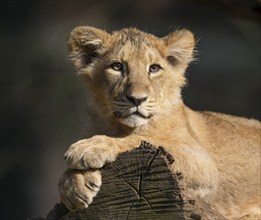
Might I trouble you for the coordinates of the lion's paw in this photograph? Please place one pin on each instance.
(78, 188)
(90, 153)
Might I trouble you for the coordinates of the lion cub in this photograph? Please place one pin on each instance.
(133, 81)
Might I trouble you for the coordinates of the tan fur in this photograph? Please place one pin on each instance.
(219, 155)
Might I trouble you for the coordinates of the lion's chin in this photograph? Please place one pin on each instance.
(134, 121)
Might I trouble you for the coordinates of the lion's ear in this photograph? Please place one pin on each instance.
(180, 47)
(86, 44)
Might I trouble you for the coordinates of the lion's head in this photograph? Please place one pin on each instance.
(131, 75)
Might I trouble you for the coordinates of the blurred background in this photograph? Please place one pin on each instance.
(42, 101)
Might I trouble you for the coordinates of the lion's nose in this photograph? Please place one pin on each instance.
(137, 101)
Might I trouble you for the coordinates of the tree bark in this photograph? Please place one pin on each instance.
(140, 185)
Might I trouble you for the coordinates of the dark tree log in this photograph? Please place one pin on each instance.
(140, 185)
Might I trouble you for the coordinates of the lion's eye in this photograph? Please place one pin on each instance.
(154, 68)
(117, 66)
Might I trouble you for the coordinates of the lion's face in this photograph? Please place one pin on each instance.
(132, 76)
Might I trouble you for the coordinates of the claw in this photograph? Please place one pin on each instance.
(94, 185)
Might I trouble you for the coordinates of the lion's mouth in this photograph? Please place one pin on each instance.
(141, 115)
(119, 114)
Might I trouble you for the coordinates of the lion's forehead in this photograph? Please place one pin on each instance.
(131, 51)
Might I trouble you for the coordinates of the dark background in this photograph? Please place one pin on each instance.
(42, 101)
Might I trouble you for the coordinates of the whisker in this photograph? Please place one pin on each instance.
(123, 104)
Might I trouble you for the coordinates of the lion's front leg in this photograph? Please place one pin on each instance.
(94, 152)
(81, 182)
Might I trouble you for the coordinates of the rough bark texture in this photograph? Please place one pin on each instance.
(140, 185)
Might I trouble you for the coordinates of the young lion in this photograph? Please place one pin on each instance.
(134, 81)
